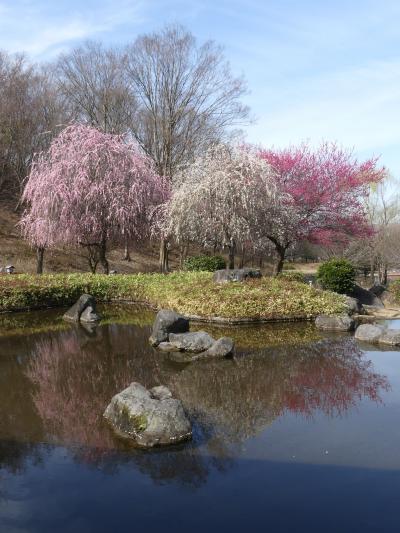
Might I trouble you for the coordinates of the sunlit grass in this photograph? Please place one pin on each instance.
(190, 293)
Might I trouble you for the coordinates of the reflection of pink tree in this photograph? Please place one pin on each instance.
(75, 377)
(244, 395)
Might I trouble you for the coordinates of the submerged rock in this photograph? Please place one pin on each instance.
(390, 337)
(198, 341)
(235, 274)
(166, 322)
(83, 310)
(221, 348)
(369, 332)
(334, 323)
(149, 417)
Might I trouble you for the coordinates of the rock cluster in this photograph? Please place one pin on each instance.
(84, 310)
(376, 333)
(236, 274)
(149, 417)
(171, 334)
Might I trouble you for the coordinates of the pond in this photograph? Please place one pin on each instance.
(298, 432)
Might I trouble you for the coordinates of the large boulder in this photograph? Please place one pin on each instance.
(84, 309)
(369, 332)
(390, 337)
(354, 306)
(334, 323)
(167, 322)
(236, 274)
(149, 417)
(196, 342)
(366, 297)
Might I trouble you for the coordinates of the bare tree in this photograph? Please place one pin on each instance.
(30, 110)
(381, 250)
(92, 80)
(187, 99)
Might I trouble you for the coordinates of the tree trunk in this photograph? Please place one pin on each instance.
(102, 256)
(39, 259)
(183, 250)
(372, 273)
(127, 255)
(242, 257)
(164, 256)
(232, 249)
(281, 252)
(260, 262)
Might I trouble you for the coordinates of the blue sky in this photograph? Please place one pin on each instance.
(316, 69)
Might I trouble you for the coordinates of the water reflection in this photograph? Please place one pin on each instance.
(54, 387)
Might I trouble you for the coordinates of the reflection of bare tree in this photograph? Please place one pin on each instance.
(243, 395)
(75, 374)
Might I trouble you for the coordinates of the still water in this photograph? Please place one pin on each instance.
(300, 432)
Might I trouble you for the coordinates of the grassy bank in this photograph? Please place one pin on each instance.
(190, 293)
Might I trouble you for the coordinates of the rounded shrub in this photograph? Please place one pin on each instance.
(208, 263)
(337, 275)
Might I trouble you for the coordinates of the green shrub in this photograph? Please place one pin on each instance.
(337, 275)
(288, 266)
(206, 263)
(293, 276)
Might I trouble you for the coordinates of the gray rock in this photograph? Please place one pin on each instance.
(390, 337)
(369, 332)
(89, 315)
(354, 306)
(334, 323)
(136, 413)
(166, 347)
(74, 313)
(221, 348)
(160, 392)
(167, 322)
(198, 341)
(236, 274)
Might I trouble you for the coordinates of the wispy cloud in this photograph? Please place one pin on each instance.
(40, 28)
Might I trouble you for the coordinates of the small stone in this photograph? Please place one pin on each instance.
(198, 341)
(160, 392)
(74, 313)
(221, 348)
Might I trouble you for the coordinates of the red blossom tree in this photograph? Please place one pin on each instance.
(325, 189)
(90, 188)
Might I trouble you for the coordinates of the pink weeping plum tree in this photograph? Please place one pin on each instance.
(325, 191)
(90, 189)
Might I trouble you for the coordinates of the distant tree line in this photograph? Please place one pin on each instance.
(121, 144)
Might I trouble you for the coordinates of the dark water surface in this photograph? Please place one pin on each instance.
(299, 432)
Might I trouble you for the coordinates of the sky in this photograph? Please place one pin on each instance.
(316, 69)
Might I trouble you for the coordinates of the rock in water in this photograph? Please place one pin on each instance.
(85, 307)
(221, 348)
(390, 337)
(149, 417)
(369, 332)
(89, 315)
(167, 322)
(198, 341)
(236, 274)
(334, 323)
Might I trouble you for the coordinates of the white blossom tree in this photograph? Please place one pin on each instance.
(225, 198)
